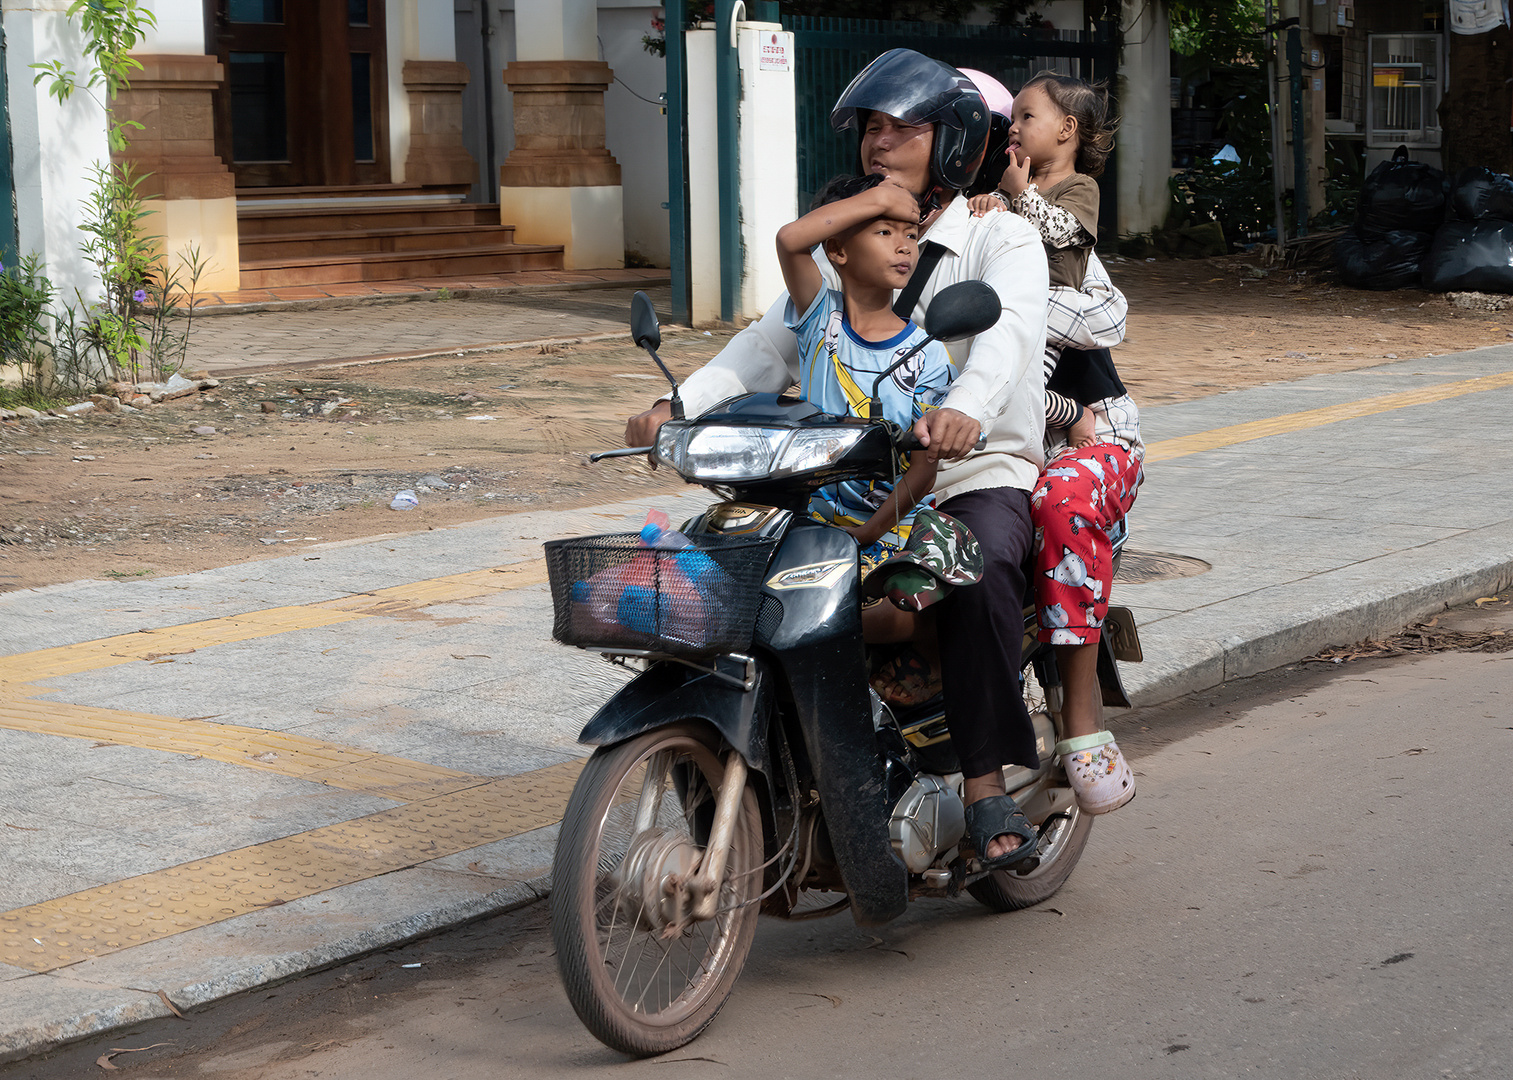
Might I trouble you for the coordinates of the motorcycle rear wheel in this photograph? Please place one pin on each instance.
(634, 990)
(1060, 848)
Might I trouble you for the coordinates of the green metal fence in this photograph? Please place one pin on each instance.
(829, 53)
(8, 251)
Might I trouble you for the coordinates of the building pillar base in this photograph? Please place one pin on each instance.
(437, 154)
(560, 185)
(187, 190)
(589, 222)
(205, 228)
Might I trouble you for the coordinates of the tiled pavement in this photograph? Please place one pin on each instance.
(283, 298)
(389, 320)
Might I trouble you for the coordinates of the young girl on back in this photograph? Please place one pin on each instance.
(1060, 136)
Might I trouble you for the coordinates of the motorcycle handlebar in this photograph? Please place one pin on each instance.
(908, 443)
(629, 451)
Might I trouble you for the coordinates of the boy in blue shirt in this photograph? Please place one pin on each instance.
(869, 227)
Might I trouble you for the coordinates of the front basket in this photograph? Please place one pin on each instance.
(616, 592)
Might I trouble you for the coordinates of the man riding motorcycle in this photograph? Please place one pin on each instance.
(924, 124)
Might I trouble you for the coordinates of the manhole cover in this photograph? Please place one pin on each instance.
(1138, 567)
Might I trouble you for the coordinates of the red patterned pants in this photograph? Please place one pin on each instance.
(1081, 495)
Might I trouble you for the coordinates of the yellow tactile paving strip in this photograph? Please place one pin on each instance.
(445, 811)
(95, 922)
(43, 664)
(270, 751)
(1167, 449)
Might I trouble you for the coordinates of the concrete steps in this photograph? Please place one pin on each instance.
(391, 232)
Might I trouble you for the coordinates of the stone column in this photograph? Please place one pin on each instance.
(437, 155)
(188, 192)
(1145, 130)
(560, 185)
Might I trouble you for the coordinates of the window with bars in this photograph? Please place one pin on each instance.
(1403, 84)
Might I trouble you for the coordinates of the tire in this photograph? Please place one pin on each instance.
(607, 934)
(1060, 848)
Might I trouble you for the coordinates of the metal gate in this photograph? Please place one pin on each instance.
(8, 245)
(829, 53)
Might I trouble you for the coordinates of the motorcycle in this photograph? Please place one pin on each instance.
(750, 766)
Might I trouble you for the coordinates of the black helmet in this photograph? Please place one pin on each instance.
(918, 90)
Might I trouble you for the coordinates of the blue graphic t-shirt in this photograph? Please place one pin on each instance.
(836, 372)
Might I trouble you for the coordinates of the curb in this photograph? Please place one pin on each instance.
(136, 1006)
(1273, 643)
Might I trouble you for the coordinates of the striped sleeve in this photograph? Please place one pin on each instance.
(1060, 410)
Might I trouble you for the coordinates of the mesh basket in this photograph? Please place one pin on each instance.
(616, 592)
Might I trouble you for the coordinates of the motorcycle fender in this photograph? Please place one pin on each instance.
(669, 693)
(1112, 686)
(817, 640)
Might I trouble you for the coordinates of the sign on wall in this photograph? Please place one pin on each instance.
(777, 52)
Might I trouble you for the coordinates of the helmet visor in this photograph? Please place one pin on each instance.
(906, 85)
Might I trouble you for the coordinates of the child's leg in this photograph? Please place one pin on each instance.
(1080, 497)
(884, 624)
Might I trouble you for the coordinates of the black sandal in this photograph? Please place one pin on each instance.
(995, 816)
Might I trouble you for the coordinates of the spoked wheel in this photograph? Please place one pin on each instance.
(1060, 847)
(643, 976)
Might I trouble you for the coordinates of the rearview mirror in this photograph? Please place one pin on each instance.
(645, 331)
(962, 310)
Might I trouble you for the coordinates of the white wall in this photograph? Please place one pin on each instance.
(636, 130)
(1063, 14)
(703, 180)
(180, 30)
(768, 164)
(56, 147)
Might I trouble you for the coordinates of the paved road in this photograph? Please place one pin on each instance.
(1311, 884)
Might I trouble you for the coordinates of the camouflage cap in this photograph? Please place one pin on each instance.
(941, 553)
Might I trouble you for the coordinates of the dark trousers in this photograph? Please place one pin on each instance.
(981, 629)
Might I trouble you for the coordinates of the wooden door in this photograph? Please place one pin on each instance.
(304, 102)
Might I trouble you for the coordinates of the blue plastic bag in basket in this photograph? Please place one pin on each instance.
(659, 593)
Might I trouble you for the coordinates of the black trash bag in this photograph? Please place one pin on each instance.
(1480, 194)
(1385, 262)
(1470, 256)
(1401, 195)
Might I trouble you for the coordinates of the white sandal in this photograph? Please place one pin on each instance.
(1097, 771)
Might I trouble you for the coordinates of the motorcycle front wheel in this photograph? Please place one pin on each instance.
(641, 979)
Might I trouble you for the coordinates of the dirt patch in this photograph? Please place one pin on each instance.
(127, 496)
(1205, 326)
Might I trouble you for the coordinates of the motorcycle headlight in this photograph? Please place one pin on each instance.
(813, 449)
(720, 453)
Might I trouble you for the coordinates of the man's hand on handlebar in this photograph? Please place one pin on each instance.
(641, 429)
(947, 434)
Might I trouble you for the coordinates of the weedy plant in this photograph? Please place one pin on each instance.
(25, 293)
(130, 334)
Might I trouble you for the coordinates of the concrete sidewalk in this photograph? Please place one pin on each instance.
(219, 780)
